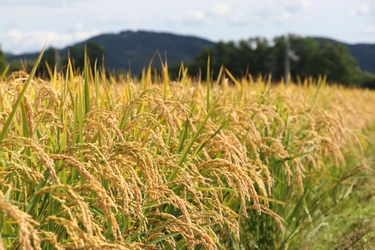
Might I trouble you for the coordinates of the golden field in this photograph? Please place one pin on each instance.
(89, 162)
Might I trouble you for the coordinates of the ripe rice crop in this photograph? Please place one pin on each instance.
(93, 162)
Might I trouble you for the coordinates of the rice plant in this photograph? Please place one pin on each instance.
(88, 161)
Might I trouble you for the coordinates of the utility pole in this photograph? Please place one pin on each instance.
(289, 55)
(57, 60)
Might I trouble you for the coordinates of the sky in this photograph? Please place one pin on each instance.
(26, 25)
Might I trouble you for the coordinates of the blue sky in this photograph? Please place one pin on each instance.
(26, 25)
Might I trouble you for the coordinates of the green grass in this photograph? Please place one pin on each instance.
(351, 226)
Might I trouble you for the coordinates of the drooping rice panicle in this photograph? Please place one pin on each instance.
(88, 161)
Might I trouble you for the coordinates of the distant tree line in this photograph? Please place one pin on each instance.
(258, 56)
(255, 56)
(54, 58)
(3, 63)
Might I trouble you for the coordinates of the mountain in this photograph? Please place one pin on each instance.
(365, 55)
(137, 48)
(27, 56)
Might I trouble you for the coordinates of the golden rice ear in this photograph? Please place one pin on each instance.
(6, 126)
(28, 236)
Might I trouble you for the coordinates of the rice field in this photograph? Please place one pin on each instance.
(90, 162)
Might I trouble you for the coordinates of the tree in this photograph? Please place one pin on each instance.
(335, 61)
(94, 54)
(256, 56)
(246, 57)
(3, 63)
(51, 58)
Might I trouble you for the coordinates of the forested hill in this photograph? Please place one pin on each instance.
(365, 55)
(137, 48)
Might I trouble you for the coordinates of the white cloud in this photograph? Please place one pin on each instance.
(79, 26)
(189, 17)
(201, 16)
(352, 12)
(370, 29)
(26, 25)
(39, 3)
(240, 18)
(297, 5)
(220, 9)
(364, 9)
(31, 41)
(102, 18)
(268, 13)
(306, 4)
(198, 15)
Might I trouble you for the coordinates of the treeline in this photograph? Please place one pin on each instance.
(3, 63)
(258, 56)
(54, 58)
(255, 56)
